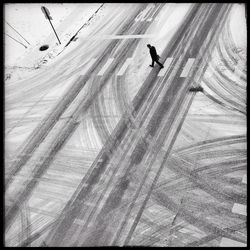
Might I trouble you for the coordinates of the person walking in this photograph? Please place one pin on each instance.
(154, 56)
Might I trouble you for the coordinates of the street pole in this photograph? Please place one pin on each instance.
(44, 9)
(15, 40)
(54, 31)
(17, 32)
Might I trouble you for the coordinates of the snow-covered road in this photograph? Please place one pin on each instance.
(101, 146)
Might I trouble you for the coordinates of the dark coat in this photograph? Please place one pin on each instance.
(153, 53)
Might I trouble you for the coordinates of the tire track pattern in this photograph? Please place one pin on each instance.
(99, 233)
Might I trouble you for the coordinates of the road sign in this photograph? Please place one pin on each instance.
(47, 15)
(46, 12)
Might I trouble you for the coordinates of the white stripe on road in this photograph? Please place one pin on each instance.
(104, 68)
(151, 15)
(129, 36)
(92, 61)
(166, 66)
(225, 242)
(239, 209)
(244, 179)
(103, 37)
(187, 67)
(124, 67)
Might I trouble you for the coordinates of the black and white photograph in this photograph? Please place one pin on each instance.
(125, 124)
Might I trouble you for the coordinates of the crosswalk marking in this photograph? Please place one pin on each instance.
(225, 242)
(239, 209)
(143, 14)
(187, 67)
(124, 67)
(105, 67)
(244, 179)
(161, 73)
(151, 14)
(92, 61)
(166, 66)
(117, 37)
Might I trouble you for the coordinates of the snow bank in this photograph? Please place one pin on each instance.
(30, 22)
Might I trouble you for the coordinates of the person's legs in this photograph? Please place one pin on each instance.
(159, 64)
(152, 65)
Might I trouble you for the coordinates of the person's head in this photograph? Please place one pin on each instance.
(149, 46)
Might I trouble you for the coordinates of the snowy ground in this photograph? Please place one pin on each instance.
(28, 102)
(22, 55)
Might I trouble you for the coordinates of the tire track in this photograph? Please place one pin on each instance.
(119, 133)
(211, 237)
(221, 153)
(215, 189)
(121, 95)
(49, 77)
(230, 64)
(100, 114)
(98, 117)
(228, 86)
(221, 103)
(234, 89)
(210, 144)
(128, 237)
(68, 129)
(139, 189)
(222, 99)
(232, 162)
(153, 93)
(42, 130)
(205, 225)
(231, 48)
